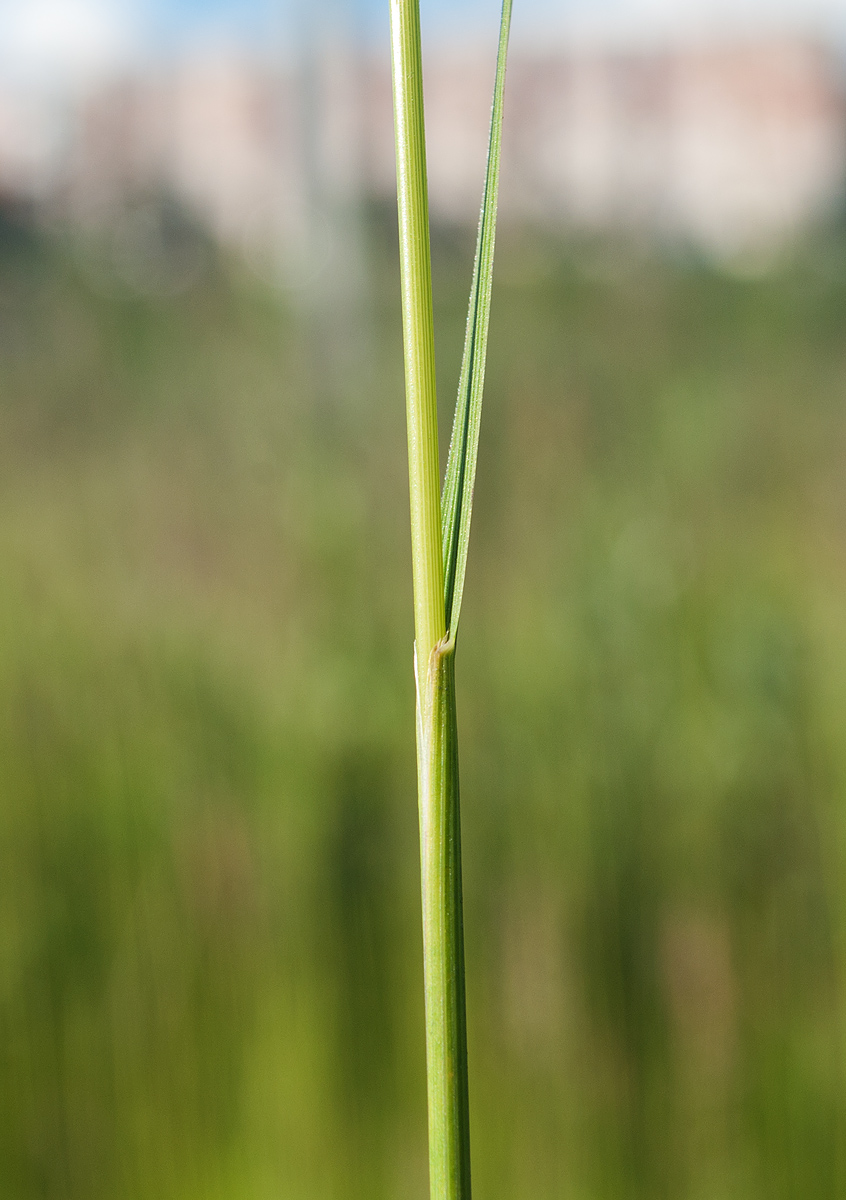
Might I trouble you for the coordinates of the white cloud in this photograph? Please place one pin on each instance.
(63, 41)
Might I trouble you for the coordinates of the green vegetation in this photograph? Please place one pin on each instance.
(210, 981)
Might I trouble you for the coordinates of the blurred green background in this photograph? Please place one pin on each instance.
(210, 954)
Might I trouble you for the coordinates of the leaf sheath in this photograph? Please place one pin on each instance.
(443, 927)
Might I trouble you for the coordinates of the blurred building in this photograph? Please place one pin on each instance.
(728, 145)
(33, 143)
(203, 133)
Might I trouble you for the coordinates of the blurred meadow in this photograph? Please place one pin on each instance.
(210, 954)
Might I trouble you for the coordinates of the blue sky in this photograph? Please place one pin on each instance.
(179, 18)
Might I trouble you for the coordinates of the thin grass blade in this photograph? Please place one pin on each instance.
(459, 481)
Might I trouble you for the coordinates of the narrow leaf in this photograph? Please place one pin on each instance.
(457, 498)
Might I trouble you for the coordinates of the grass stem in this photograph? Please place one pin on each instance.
(443, 939)
(439, 561)
(418, 328)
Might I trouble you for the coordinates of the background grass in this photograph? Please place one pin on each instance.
(210, 963)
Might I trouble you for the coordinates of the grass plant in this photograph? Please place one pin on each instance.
(440, 528)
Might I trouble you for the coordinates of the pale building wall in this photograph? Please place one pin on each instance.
(728, 146)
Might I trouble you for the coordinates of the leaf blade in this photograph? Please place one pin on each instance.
(460, 476)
